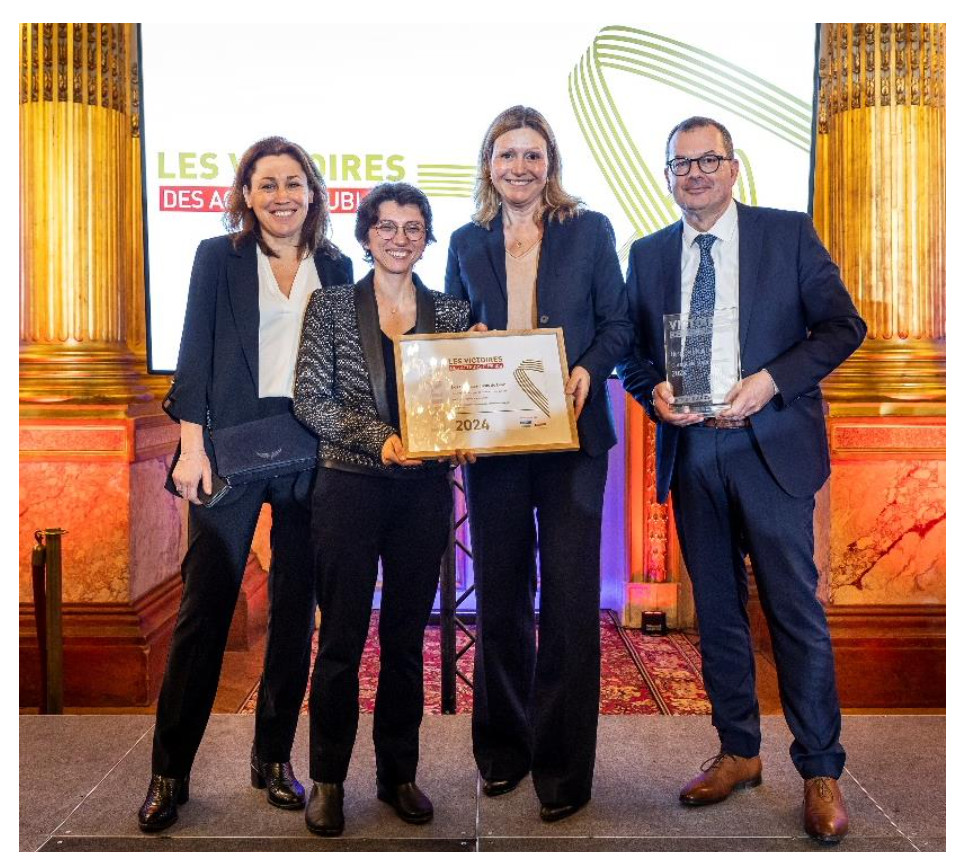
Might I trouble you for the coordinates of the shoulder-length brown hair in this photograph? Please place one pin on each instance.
(556, 202)
(239, 219)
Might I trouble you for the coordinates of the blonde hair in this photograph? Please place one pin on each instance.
(556, 202)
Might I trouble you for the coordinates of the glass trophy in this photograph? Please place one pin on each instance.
(700, 384)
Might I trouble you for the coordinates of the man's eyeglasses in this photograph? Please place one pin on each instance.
(414, 231)
(709, 164)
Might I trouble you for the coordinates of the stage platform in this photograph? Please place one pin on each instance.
(82, 779)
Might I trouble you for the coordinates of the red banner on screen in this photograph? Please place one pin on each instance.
(344, 199)
(193, 199)
(211, 199)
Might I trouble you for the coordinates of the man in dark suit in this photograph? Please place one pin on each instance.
(744, 480)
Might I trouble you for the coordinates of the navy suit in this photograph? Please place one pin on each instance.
(217, 372)
(539, 712)
(752, 490)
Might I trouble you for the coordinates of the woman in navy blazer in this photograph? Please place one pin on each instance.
(252, 282)
(534, 257)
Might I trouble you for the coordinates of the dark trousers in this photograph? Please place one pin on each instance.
(537, 708)
(219, 542)
(357, 519)
(728, 504)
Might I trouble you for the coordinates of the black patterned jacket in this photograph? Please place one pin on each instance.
(339, 388)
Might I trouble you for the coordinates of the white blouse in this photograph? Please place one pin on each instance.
(282, 318)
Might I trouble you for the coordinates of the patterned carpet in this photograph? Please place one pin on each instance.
(639, 674)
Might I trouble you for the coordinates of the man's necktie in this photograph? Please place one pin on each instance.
(697, 359)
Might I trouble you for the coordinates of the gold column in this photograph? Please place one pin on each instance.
(95, 446)
(880, 208)
(81, 251)
(880, 203)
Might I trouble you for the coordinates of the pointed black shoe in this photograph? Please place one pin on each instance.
(409, 802)
(160, 806)
(283, 790)
(557, 812)
(325, 809)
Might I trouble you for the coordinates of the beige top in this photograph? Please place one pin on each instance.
(522, 273)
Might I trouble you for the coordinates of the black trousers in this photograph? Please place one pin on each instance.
(537, 709)
(728, 504)
(219, 542)
(358, 519)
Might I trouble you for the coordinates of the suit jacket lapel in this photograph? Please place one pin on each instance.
(749, 257)
(494, 243)
(670, 282)
(242, 288)
(550, 264)
(671, 270)
(325, 268)
(369, 332)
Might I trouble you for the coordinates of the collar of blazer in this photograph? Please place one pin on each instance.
(551, 243)
(243, 291)
(369, 331)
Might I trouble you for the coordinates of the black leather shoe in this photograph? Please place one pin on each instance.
(494, 788)
(325, 809)
(283, 790)
(557, 812)
(160, 806)
(409, 802)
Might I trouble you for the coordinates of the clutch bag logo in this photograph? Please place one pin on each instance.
(528, 387)
(269, 456)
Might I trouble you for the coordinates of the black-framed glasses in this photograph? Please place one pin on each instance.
(414, 231)
(709, 164)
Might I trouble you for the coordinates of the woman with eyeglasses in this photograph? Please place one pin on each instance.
(372, 502)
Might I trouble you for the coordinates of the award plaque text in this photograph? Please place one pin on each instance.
(493, 392)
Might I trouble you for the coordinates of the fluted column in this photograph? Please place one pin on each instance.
(880, 208)
(95, 446)
(81, 282)
(880, 202)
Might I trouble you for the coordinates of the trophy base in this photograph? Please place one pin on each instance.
(702, 408)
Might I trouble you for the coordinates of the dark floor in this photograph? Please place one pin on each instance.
(83, 777)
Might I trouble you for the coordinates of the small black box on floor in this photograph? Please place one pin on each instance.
(654, 623)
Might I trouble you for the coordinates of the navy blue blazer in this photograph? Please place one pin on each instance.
(579, 289)
(217, 368)
(795, 319)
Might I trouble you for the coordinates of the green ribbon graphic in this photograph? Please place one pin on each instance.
(691, 70)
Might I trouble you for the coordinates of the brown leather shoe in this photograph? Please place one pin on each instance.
(721, 775)
(826, 818)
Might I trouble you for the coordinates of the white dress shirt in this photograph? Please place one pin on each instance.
(282, 318)
(724, 254)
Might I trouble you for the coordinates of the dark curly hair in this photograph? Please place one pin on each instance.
(239, 219)
(399, 193)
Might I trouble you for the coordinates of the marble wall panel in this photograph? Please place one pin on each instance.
(158, 527)
(90, 500)
(888, 532)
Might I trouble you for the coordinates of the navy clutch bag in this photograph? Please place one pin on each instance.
(262, 449)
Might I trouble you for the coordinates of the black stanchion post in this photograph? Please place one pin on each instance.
(38, 567)
(449, 660)
(54, 604)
